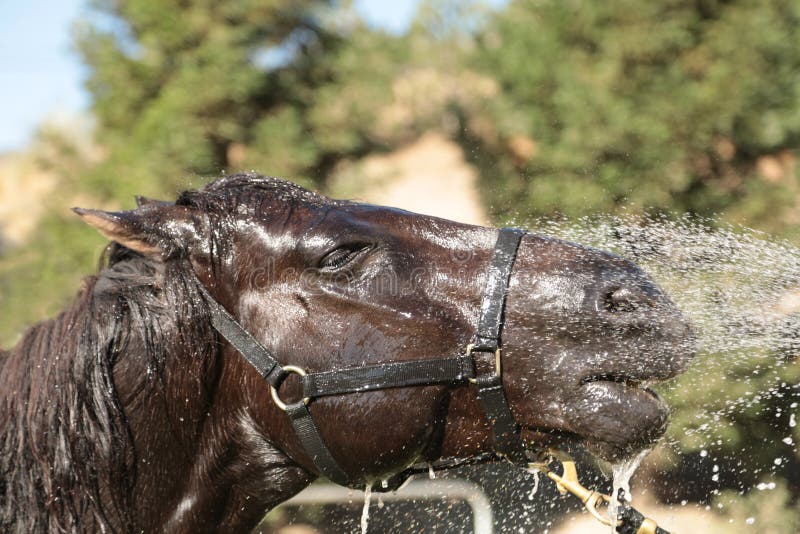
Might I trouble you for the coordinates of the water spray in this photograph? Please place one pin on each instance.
(630, 520)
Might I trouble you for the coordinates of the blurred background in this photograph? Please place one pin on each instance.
(485, 112)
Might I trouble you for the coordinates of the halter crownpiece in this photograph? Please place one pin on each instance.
(452, 370)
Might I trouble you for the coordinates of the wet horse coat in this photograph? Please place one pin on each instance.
(129, 412)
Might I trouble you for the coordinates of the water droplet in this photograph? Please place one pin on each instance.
(622, 473)
(365, 510)
(535, 472)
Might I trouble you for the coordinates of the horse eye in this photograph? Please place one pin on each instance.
(341, 256)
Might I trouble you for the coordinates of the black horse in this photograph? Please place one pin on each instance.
(129, 412)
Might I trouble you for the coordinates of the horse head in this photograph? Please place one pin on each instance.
(331, 285)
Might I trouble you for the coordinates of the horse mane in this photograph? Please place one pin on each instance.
(230, 195)
(67, 456)
(67, 460)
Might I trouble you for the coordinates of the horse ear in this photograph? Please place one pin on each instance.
(156, 229)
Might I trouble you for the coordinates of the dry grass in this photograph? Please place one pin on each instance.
(23, 186)
(429, 176)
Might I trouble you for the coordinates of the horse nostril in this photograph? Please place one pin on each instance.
(621, 300)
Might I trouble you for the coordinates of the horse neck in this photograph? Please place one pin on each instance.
(200, 463)
(165, 379)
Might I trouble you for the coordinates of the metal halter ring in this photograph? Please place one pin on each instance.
(274, 391)
(497, 368)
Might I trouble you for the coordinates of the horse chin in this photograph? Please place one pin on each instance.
(616, 420)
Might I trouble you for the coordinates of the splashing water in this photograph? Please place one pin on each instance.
(431, 473)
(365, 510)
(535, 489)
(622, 473)
(737, 285)
(739, 288)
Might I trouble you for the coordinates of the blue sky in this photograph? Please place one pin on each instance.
(40, 74)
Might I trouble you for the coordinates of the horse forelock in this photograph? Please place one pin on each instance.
(67, 457)
(254, 193)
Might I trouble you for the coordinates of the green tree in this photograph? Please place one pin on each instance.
(176, 85)
(687, 106)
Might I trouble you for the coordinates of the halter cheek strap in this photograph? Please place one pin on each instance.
(487, 339)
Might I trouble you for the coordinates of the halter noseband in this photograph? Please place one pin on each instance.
(452, 370)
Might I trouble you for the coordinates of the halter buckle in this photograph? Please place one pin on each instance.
(273, 390)
(497, 367)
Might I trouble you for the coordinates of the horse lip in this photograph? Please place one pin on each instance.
(615, 418)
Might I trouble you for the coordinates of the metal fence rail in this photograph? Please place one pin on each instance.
(464, 490)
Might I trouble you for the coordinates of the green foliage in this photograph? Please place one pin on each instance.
(665, 105)
(37, 280)
(770, 510)
(199, 87)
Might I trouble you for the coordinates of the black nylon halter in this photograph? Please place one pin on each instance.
(453, 370)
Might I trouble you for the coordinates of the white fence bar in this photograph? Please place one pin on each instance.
(416, 489)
